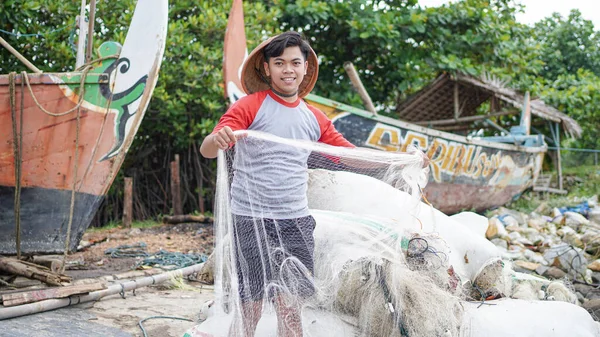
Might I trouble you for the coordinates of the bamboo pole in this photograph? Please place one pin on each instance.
(90, 40)
(357, 83)
(19, 56)
(82, 36)
(33, 308)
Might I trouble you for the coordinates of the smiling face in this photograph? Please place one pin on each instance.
(287, 72)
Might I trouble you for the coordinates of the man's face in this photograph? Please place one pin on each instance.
(287, 70)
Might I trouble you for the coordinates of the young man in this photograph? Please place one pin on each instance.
(272, 233)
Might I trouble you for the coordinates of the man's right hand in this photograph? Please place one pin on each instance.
(220, 140)
(224, 138)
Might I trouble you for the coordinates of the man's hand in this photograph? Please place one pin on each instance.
(224, 138)
(221, 140)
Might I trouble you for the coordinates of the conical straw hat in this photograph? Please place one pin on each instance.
(254, 77)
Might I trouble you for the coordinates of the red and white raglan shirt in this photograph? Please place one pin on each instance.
(270, 178)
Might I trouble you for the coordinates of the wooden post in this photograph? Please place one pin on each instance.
(456, 101)
(82, 36)
(128, 203)
(526, 114)
(176, 187)
(357, 83)
(558, 159)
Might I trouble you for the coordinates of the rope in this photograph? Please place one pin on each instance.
(180, 260)
(153, 317)
(389, 300)
(38, 34)
(136, 250)
(72, 207)
(17, 141)
(85, 71)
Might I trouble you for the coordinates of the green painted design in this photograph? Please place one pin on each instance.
(103, 97)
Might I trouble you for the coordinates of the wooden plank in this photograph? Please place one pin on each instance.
(549, 189)
(32, 271)
(175, 219)
(9, 300)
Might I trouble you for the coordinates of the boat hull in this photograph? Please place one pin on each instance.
(76, 130)
(465, 174)
(44, 219)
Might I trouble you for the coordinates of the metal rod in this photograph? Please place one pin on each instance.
(90, 40)
(466, 119)
(572, 149)
(497, 127)
(19, 56)
(349, 67)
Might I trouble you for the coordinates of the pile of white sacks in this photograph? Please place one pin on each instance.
(493, 296)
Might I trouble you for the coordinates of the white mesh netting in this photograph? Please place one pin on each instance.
(314, 240)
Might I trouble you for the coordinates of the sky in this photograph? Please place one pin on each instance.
(535, 10)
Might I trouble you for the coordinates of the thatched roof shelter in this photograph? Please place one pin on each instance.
(452, 100)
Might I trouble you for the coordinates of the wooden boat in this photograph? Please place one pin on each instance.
(63, 136)
(467, 173)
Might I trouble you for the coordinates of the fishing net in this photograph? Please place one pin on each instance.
(276, 253)
(336, 242)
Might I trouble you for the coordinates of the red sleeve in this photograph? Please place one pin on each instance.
(241, 114)
(329, 135)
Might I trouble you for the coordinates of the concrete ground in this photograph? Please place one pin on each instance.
(115, 316)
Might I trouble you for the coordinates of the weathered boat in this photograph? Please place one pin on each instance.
(467, 173)
(63, 136)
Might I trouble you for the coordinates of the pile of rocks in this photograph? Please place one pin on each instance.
(556, 243)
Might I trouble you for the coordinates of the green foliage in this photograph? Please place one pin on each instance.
(589, 187)
(396, 45)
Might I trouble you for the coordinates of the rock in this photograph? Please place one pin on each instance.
(495, 229)
(580, 298)
(536, 223)
(543, 208)
(535, 257)
(592, 241)
(530, 266)
(596, 277)
(573, 239)
(518, 216)
(593, 307)
(551, 228)
(594, 215)
(584, 289)
(500, 243)
(514, 236)
(556, 212)
(540, 270)
(509, 221)
(574, 220)
(567, 258)
(595, 266)
(554, 273)
(135, 231)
